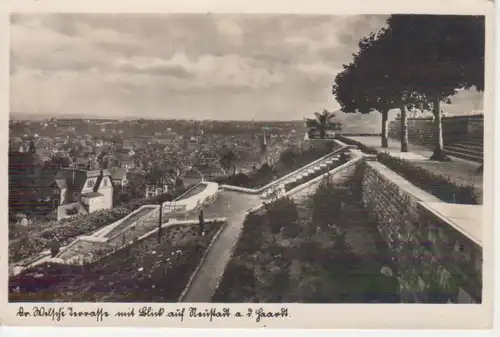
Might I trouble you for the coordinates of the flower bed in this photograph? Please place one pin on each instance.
(438, 185)
(143, 272)
(287, 253)
(33, 243)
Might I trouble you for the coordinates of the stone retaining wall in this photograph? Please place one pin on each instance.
(395, 204)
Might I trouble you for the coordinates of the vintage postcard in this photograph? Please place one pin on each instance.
(226, 164)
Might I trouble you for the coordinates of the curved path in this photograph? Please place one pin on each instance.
(234, 206)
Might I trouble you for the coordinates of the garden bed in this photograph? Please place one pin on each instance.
(31, 242)
(143, 272)
(323, 250)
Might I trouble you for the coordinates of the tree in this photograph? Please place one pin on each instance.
(447, 54)
(228, 160)
(288, 157)
(322, 122)
(379, 79)
(135, 185)
(240, 179)
(283, 215)
(355, 95)
(161, 169)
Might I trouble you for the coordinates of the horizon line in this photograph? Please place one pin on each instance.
(21, 116)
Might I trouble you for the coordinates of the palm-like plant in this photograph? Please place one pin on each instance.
(322, 122)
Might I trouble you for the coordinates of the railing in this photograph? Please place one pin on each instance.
(277, 181)
(359, 156)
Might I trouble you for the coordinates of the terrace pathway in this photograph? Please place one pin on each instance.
(461, 171)
(232, 205)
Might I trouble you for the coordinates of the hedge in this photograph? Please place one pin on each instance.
(438, 185)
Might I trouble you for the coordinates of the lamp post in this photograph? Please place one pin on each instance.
(160, 211)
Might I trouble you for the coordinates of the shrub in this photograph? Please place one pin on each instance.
(279, 284)
(341, 259)
(237, 285)
(316, 289)
(283, 213)
(241, 179)
(288, 157)
(355, 183)
(326, 204)
(251, 236)
(310, 251)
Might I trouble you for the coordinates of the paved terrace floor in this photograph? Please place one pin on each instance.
(461, 171)
(232, 205)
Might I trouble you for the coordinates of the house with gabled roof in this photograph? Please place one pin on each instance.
(83, 191)
(118, 176)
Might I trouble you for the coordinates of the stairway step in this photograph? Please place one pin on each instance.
(469, 152)
(474, 158)
(466, 148)
(467, 144)
(469, 141)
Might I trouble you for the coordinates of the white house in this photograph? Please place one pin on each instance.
(83, 191)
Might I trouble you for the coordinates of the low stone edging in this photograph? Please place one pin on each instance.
(192, 202)
(203, 258)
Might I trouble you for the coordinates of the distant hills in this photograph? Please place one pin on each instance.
(464, 102)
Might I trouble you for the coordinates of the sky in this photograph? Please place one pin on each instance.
(197, 66)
